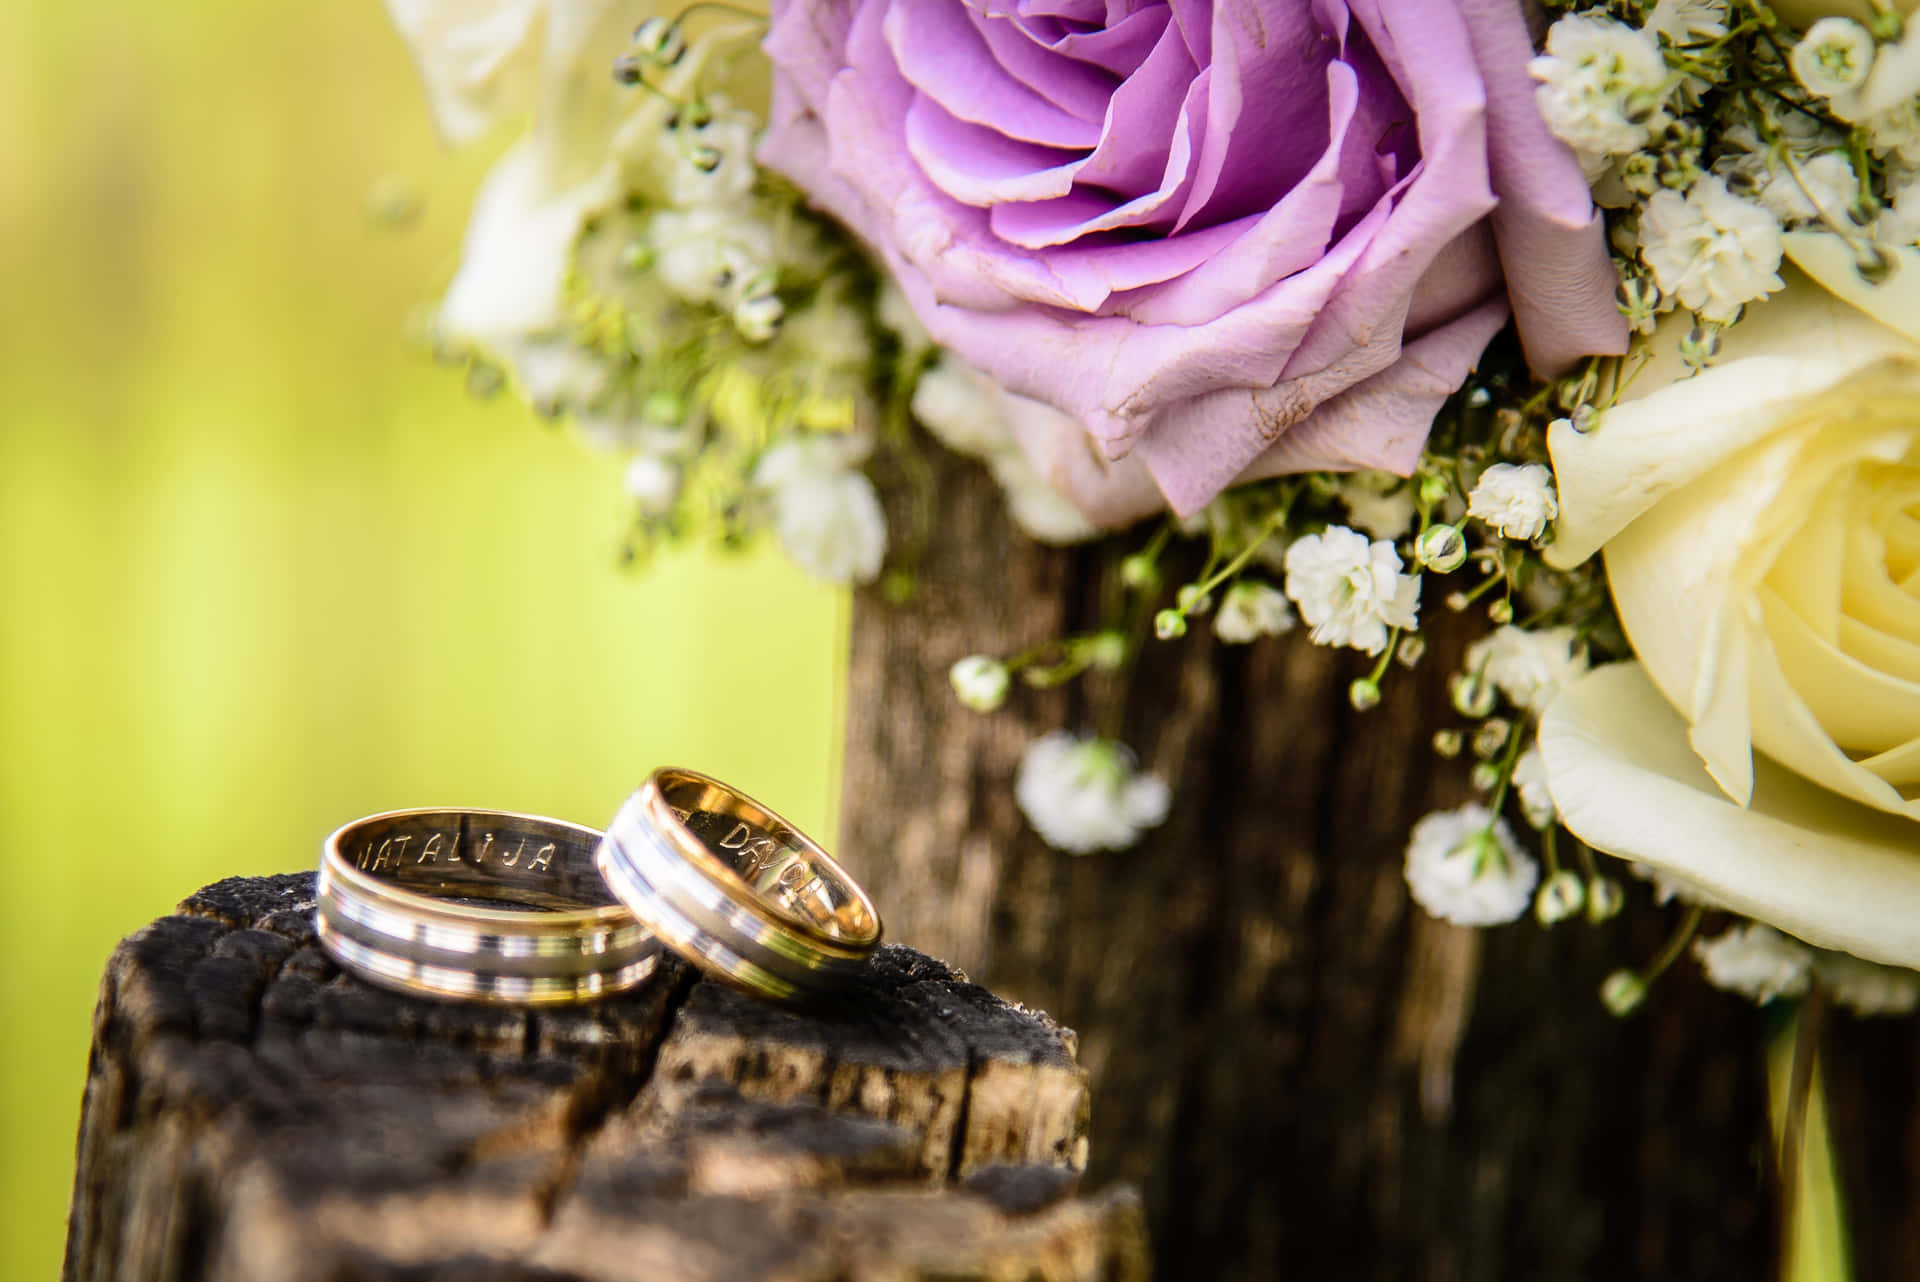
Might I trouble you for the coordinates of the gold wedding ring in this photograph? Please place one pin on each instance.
(735, 889)
(395, 907)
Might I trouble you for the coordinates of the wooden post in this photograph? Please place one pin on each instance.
(1306, 1075)
(254, 1115)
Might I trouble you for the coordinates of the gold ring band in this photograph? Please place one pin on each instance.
(735, 889)
(395, 908)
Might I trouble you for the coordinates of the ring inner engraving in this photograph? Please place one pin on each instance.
(459, 854)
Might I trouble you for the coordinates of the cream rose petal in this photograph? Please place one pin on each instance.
(1660, 440)
(1834, 873)
(468, 51)
(1686, 575)
(1894, 302)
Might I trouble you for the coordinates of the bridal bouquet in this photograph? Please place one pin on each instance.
(1599, 323)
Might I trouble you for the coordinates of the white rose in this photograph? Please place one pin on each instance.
(1761, 527)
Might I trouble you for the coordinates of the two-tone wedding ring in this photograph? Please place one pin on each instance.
(735, 889)
(484, 905)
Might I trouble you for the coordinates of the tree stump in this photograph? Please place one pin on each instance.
(1304, 1074)
(254, 1115)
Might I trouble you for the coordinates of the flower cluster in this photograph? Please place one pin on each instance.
(1620, 363)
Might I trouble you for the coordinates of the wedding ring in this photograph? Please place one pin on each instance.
(735, 889)
(396, 894)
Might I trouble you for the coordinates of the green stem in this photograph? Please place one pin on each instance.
(1515, 737)
(1675, 945)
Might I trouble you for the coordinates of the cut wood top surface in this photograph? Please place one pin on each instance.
(253, 1113)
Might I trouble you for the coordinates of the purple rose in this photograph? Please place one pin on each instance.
(1229, 239)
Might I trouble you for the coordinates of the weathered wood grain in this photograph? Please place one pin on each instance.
(254, 1115)
(1305, 1075)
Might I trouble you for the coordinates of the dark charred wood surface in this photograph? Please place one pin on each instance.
(1307, 1076)
(254, 1115)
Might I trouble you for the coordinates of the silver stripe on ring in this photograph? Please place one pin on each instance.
(708, 904)
(396, 907)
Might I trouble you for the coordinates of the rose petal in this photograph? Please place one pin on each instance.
(1836, 874)
(1110, 494)
(1684, 575)
(1076, 87)
(1382, 422)
(1866, 711)
(1828, 259)
(1559, 275)
(1671, 429)
(467, 51)
(519, 241)
(942, 55)
(978, 166)
(1258, 143)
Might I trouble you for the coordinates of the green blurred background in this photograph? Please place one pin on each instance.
(266, 568)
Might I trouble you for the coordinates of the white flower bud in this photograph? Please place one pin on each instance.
(653, 483)
(980, 681)
(1835, 56)
(1561, 897)
(1472, 694)
(660, 41)
(1250, 610)
(1441, 549)
(757, 316)
(1518, 501)
(1623, 992)
(1364, 694)
(1107, 651)
(1138, 572)
(1605, 899)
(1169, 625)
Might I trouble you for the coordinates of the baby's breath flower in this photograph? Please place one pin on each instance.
(952, 401)
(1867, 989)
(1601, 84)
(712, 164)
(1036, 507)
(1464, 866)
(1688, 21)
(757, 315)
(652, 483)
(826, 515)
(1379, 503)
(1518, 500)
(1821, 187)
(980, 681)
(703, 252)
(1756, 961)
(1250, 610)
(1530, 785)
(1834, 57)
(1350, 590)
(1528, 666)
(1083, 795)
(1899, 221)
(1710, 249)
(1896, 131)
